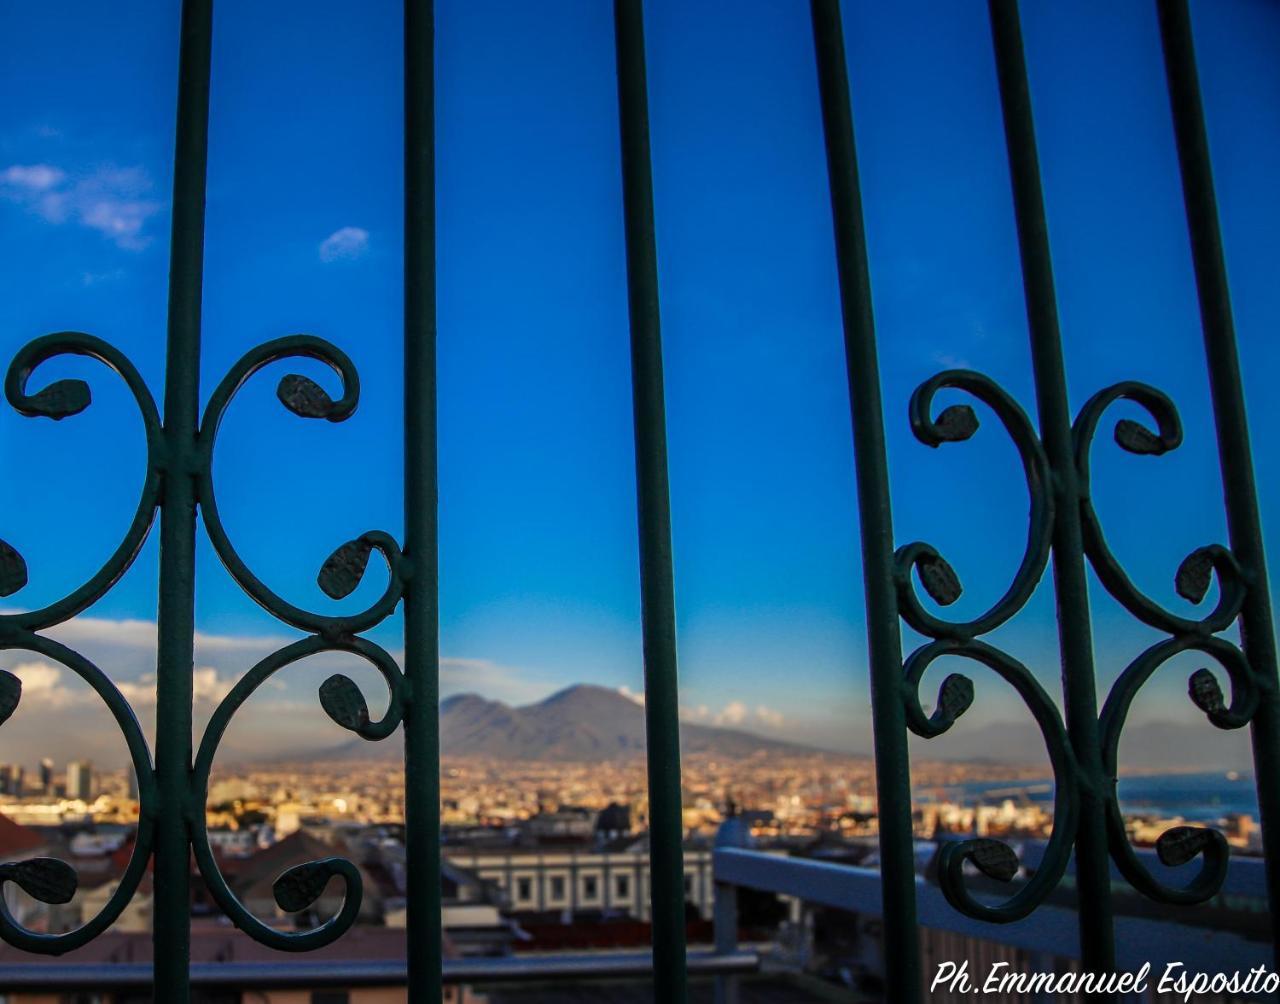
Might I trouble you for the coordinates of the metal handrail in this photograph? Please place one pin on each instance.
(312, 975)
(1051, 929)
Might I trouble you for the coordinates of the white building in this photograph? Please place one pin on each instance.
(614, 881)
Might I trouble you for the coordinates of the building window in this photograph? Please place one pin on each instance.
(590, 887)
(622, 885)
(524, 889)
(557, 887)
(688, 885)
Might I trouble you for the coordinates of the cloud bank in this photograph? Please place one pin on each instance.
(60, 716)
(115, 202)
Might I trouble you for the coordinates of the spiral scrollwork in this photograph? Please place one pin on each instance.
(957, 423)
(992, 857)
(1197, 570)
(343, 570)
(57, 401)
(52, 881)
(1192, 580)
(48, 879)
(300, 886)
(1179, 845)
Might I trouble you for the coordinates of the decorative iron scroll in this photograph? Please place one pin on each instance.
(48, 879)
(1197, 572)
(52, 881)
(993, 858)
(1180, 845)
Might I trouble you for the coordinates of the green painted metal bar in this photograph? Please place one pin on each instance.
(1257, 628)
(421, 505)
(1075, 633)
(657, 587)
(884, 638)
(176, 614)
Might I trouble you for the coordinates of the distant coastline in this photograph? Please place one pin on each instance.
(1192, 794)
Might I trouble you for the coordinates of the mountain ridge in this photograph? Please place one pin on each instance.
(586, 722)
(581, 722)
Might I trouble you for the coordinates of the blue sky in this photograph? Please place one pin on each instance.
(538, 573)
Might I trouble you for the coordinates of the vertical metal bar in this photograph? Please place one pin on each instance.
(724, 919)
(1075, 632)
(176, 614)
(421, 498)
(657, 589)
(884, 638)
(1257, 628)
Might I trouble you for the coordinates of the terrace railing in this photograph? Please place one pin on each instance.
(179, 489)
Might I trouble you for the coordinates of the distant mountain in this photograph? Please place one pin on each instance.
(577, 724)
(585, 722)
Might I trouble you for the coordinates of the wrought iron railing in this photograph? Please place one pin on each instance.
(1062, 526)
(1054, 451)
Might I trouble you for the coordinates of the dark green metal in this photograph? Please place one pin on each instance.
(55, 944)
(893, 774)
(179, 480)
(956, 424)
(1257, 629)
(1093, 877)
(1188, 634)
(176, 615)
(339, 696)
(288, 899)
(657, 589)
(1063, 524)
(422, 640)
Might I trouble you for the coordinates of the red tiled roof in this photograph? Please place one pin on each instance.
(219, 942)
(17, 841)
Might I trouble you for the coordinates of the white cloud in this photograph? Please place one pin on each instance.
(631, 695)
(345, 244)
(208, 687)
(284, 716)
(140, 693)
(116, 202)
(770, 717)
(137, 633)
(32, 177)
(101, 629)
(735, 714)
(732, 715)
(41, 684)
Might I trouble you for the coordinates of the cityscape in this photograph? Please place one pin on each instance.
(790, 801)
(541, 856)
(448, 355)
(545, 843)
